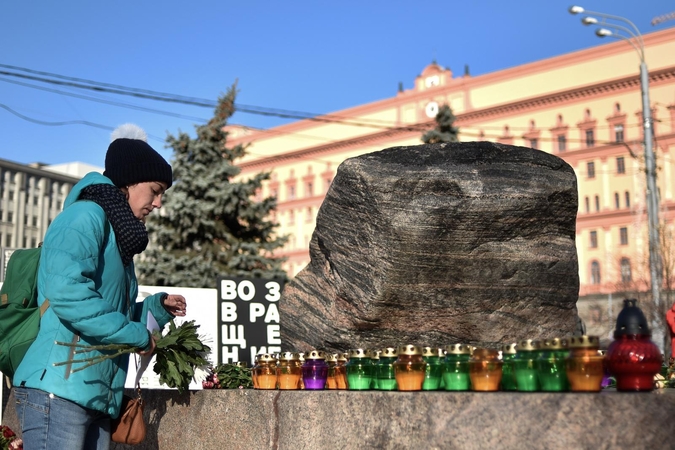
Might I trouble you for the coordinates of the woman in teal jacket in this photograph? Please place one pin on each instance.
(87, 274)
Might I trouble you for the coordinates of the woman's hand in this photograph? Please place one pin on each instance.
(175, 304)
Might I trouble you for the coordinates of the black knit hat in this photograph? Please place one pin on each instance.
(131, 161)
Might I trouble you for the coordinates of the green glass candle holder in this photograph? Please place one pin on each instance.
(456, 368)
(552, 365)
(525, 366)
(374, 355)
(359, 370)
(508, 372)
(384, 370)
(434, 371)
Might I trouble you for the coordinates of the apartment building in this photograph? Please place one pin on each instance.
(30, 197)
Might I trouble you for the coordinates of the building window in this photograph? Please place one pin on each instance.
(310, 189)
(617, 200)
(595, 272)
(35, 221)
(35, 201)
(33, 243)
(10, 216)
(588, 204)
(275, 193)
(597, 203)
(534, 143)
(308, 214)
(594, 239)
(590, 169)
(618, 133)
(590, 139)
(626, 275)
(327, 183)
(627, 199)
(291, 192)
(8, 240)
(562, 143)
(291, 217)
(595, 315)
(620, 165)
(623, 235)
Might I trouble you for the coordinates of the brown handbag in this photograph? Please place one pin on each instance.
(129, 427)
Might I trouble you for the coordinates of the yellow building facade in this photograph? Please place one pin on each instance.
(584, 107)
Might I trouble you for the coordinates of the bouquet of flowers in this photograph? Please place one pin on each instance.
(9, 440)
(178, 353)
(228, 376)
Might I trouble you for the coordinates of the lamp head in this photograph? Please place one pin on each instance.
(589, 20)
(603, 32)
(576, 10)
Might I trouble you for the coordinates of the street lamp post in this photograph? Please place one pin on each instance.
(634, 37)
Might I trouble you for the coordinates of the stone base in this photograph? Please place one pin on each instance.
(237, 419)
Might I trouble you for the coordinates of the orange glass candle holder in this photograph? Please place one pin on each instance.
(341, 371)
(585, 364)
(331, 380)
(410, 368)
(485, 370)
(289, 371)
(264, 373)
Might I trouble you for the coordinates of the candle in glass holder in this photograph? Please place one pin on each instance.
(508, 374)
(456, 368)
(264, 373)
(315, 370)
(409, 368)
(551, 365)
(585, 364)
(633, 358)
(384, 371)
(288, 371)
(360, 371)
(331, 360)
(434, 371)
(341, 370)
(374, 355)
(485, 370)
(525, 367)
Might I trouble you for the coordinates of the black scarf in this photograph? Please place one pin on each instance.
(132, 237)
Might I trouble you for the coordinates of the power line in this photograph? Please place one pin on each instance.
(109, 102)
(56, 124)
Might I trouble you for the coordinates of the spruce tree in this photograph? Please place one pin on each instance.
(209, 225)
(445, 130)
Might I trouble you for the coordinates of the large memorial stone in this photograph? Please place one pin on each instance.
(436, 244)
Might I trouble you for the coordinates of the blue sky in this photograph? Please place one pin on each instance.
(300, 55)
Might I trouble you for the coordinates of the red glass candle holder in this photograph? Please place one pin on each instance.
(632, 358)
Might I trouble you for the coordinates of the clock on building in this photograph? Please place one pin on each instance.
(431, 109)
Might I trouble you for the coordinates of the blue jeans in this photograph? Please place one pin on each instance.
(52, 423)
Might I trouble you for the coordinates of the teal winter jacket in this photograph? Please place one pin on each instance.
(89, 290)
